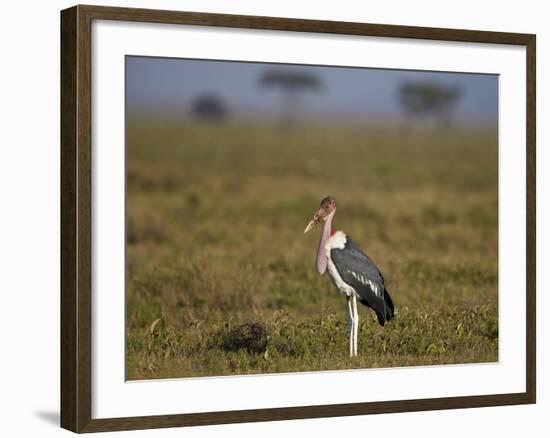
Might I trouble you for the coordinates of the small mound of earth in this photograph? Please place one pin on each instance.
(251, 337)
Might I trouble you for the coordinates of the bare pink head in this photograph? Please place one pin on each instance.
(326, 211)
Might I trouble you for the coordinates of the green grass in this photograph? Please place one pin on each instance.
(215, 219)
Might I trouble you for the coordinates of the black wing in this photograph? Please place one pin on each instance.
(360, 272)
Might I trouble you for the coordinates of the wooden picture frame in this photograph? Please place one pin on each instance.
(76, 217)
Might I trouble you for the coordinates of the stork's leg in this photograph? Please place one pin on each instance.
(351, 325)
(355, 324)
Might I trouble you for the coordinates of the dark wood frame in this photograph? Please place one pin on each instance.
(76, 243)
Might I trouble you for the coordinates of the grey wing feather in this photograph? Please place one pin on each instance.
(354, 266)
(360, 272)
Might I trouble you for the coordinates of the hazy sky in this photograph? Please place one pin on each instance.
(162, 84)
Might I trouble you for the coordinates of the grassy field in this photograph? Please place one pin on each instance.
(215, 220)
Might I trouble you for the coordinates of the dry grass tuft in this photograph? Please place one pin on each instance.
(251, 336)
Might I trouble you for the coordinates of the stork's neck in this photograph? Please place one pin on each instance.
(321, 253)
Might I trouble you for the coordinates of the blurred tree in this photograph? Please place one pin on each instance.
(291, 83)
(429, 99)
(210, 108)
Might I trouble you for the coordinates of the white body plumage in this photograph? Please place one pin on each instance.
(337, 240)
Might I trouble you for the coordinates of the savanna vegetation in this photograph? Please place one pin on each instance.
(221, 279)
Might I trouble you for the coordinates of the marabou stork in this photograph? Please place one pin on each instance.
(351, 270)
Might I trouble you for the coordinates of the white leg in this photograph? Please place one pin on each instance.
(351, 325)
(355, 325)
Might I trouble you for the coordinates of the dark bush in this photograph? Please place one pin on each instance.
(251, 337)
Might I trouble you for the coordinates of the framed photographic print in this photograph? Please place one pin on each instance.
(270, 218)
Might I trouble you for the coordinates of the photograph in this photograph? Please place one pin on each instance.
(285, 218)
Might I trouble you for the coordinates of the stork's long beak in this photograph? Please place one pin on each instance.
(311, 224)
(316, 219)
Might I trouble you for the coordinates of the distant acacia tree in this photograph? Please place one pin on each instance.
(291, 83)
(429, 99)
(209, 108)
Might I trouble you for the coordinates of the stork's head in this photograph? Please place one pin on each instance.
(326, 210)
